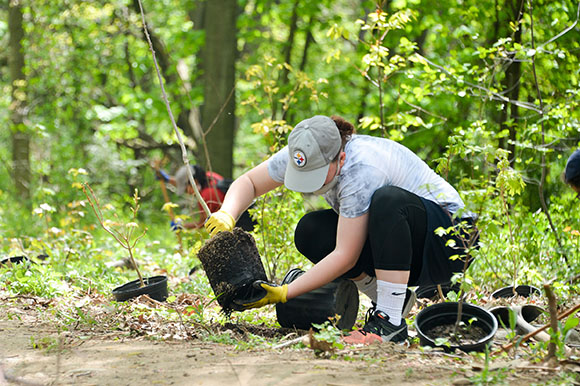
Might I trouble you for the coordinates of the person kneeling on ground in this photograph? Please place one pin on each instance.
(386, 204)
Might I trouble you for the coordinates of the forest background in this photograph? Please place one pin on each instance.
(486, 92)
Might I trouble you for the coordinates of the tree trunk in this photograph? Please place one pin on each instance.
(20, 135)
(283, 79)
(219, 56)
(511, 82)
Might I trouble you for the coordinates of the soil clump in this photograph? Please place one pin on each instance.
(232, 263)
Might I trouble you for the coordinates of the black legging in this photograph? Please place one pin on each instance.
(397, 229)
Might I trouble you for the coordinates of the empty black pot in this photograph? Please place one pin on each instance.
(339, 297)
(443, 314)
(431, 292)
(155, 287)
(521, 290)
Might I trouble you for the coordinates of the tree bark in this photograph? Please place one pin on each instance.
(511, 81)
(218, 111)
(20, 136)
(283, 79)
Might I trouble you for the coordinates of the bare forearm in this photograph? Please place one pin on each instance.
(328, 269)
(351, 236)
(239, 196)
(243, 190)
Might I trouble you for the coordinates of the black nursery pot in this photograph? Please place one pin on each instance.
(431, 292)
(155, 287)
(14, 260)
(521, 290)
(442, 314)
(339, 297)
(232, 263)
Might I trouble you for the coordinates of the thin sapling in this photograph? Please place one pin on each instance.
(124, 234)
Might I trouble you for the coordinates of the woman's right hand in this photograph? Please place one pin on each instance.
(219, 221)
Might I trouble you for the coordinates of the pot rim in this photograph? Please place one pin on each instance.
(151, 281)
(449, 309)
(526, 291)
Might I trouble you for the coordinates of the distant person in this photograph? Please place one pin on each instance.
(572, 172)
(212, 188)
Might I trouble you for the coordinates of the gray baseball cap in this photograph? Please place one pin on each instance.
(312, 145)
(182, 179)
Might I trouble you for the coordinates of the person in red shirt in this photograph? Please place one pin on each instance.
(212, 188)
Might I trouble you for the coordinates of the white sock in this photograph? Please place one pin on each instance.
(368, 286)
(390, 300)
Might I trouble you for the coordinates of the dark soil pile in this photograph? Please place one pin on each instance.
(232, 263)
(243, 330)
(466, 335)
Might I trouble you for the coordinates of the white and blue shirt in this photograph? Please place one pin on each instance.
(370, 164)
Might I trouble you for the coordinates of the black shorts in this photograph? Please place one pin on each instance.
(401, 237)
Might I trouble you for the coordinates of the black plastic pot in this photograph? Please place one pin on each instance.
(339, 297)
(155, 287)
(443, 314)
(14, 260)
(525, 315)
(431, 292)
(521, 290)
(232, 263)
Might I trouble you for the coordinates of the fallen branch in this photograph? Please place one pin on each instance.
(290, 342)
(538, 368)
(565, 314)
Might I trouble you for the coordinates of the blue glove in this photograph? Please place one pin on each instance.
(176, 224)
(162, 175)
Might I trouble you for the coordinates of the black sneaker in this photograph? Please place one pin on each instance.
(377, 328)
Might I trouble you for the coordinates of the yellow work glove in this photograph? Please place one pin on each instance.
(273, 294)
(219, 221)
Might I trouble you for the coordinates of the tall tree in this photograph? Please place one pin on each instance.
(514, 12)
(219, 56)
(20, 135)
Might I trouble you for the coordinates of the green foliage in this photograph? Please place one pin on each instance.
(329, 334)
(127, 234)
(488, 99)
(277, 212)
(487, 376)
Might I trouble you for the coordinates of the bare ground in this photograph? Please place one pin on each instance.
(38, 355)
(120, 348)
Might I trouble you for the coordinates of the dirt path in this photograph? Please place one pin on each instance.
(99, 360)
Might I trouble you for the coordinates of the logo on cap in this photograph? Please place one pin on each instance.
(299, 158)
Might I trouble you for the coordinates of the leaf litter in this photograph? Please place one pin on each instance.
(191, 318)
